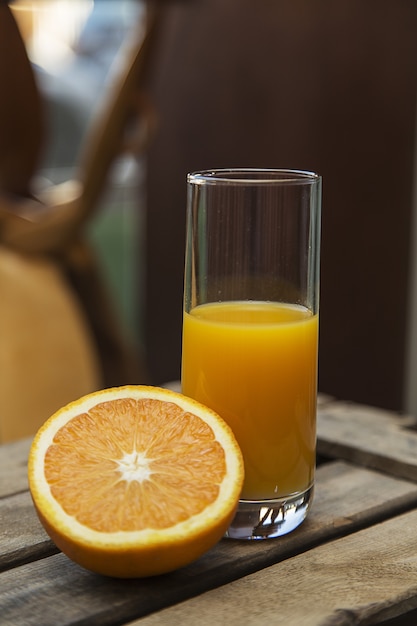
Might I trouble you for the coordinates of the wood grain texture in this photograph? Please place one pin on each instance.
(347, 499)
(13, 467)
(368, 436)
(22, 537)
(361, 579)
(357, 544)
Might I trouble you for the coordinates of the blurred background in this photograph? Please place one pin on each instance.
(312, 84)
(72, 45)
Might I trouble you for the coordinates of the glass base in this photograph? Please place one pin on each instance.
(267, 519)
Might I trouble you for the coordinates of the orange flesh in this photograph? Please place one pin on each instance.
(130, 465)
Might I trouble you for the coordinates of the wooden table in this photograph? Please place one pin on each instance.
(354, 561)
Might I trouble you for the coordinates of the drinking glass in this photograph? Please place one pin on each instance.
(250, 330)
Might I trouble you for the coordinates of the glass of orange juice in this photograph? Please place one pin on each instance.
(250, 331)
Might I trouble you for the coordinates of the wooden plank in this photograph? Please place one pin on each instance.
(13, 467)
(368, 436)
(360, 579)
(347, 498)
(22, 538)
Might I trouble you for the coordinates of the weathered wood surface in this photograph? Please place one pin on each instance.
(40, 586)
(13, 467)
(22, 537)
(347, 498)
(368, 436)
(364, 578)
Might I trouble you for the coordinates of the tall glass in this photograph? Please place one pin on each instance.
(250, 332)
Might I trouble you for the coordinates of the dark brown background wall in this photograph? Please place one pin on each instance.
(315, 84)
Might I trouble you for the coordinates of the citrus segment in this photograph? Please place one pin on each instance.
(135, 481)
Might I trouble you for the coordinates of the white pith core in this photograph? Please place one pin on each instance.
(134, 466)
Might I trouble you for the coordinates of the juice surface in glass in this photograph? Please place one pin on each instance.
(255, 363)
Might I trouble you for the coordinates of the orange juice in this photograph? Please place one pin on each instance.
(255, 363)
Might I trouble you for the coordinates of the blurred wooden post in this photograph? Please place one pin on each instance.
(21, 113)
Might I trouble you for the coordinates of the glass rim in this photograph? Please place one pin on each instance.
(253, 175)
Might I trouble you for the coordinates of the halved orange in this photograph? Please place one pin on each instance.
(135, 480)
